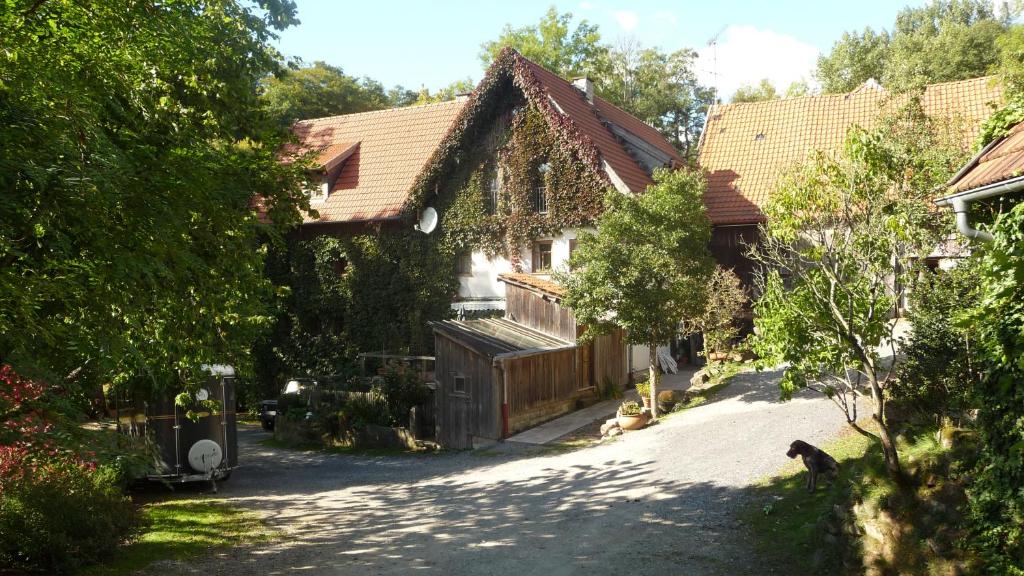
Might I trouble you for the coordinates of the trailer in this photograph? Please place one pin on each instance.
(203, 448)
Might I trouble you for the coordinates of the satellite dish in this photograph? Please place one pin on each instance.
(428, 220)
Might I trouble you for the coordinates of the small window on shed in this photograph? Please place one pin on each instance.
(459, 383)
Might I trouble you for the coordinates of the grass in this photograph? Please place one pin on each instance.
(803, 532)
(785, 518)
(182, 529)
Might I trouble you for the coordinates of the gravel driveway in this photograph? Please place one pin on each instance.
(661, 500)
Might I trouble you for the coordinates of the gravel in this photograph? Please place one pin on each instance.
(661, 500)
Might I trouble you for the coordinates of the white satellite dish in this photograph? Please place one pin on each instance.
(428, 220)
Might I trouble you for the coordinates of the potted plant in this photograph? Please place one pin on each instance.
(644, 390)
(631, 416)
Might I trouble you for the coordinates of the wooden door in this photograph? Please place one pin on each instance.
(454, 411)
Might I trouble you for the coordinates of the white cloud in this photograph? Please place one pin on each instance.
(627, 19)
(746, 54)
(586, 5)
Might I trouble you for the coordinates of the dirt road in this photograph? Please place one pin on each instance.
(661, 500)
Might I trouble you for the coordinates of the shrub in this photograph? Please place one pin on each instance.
(942, 362)
(58, 507)
(997, 499)
(60, 514)
(400, 389)
(643, 389)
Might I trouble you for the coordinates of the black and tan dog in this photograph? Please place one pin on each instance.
(816, 461)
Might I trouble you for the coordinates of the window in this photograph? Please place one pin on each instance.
(318, 190)
(492, 193)
(464, 267)
(540, 201)
(459, 383)
(542, 256)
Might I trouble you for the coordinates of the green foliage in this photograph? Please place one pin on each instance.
(1001, 122)
(321, 90)
(550, 44)
(61, 516)
(449, 92)
(658, 87)
(343, 296)
(997, 499)
(941, 363)
(1011, 60)
(718, 321)
(629, 408)
(942, 41)
(643, 389)
(401, 389)
(846, 230)
(133, 148)
(764, 90)
(646, 268)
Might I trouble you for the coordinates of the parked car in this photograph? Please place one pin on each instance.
(268, 413)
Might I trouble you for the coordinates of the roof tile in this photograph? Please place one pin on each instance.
(746, 147)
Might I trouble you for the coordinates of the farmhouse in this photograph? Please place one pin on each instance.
(506, 177)
(746, 147)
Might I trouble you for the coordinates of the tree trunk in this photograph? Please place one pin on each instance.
(654, 379)
(892, 459)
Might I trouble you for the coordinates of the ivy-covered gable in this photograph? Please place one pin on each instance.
(512, 169)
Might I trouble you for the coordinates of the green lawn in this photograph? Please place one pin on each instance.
(181, 529)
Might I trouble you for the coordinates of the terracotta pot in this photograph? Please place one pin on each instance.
(633, 422)
(646, 400)
(718, 356)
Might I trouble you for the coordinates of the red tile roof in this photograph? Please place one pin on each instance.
(532, 282)
(587, 118)
(746, 147)
(1001, 160)
(393, 146)
(385, 152)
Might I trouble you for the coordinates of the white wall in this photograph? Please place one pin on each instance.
(483, 283)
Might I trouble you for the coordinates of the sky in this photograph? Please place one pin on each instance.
(431, 43)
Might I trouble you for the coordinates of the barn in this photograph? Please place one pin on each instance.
(499, 376)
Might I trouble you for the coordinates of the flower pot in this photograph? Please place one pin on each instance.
(647, 401)
(634, 422)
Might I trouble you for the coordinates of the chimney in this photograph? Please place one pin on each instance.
(462, 96)
(585, 85)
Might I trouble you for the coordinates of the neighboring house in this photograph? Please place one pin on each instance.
(496, 377)
(745, 148)
(513, 172)
(995, 172)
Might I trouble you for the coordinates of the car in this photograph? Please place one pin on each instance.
(268, 413)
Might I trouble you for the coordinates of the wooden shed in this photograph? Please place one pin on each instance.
(496, 377)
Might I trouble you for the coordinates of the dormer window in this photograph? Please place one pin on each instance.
(318, 190)
(540, 201)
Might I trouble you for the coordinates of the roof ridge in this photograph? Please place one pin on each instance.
(381, 111)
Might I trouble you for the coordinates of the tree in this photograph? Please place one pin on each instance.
(550, 44)
(718, 321)
(1011, 61)
(854, 59)
(449, 92)
(660, 89)
(942, 41)
(133, 147)
(320, 90)
(763, 91)
(647, 266)
(838, 246)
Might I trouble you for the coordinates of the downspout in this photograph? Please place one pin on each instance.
(963, 222)
(960, 204)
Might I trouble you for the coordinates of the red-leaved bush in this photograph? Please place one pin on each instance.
(58, 508)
